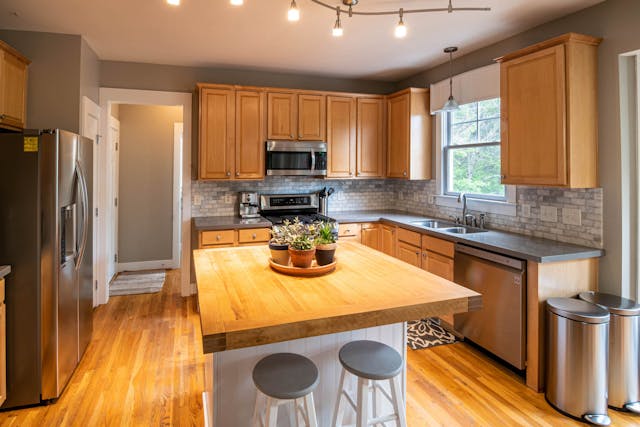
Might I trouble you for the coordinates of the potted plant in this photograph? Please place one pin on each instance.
(302, 250)
(278, 245)
(325, 244)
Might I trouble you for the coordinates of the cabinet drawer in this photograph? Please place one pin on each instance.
(347, 230)
(218, 237)
(411, 237)
(433, 244)
(409, 253)
(254, 235)
(437, 264)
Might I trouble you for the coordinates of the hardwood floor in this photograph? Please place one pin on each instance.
(144, 367)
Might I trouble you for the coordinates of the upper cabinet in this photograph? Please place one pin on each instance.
(293, 116)
(13, 88)
(409, 135)
(549, 116)
(370, 138)
(231, 139)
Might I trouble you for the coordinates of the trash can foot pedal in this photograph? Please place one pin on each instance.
(633, 407)
(597, 419)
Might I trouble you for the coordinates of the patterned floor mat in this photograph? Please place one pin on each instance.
(427, 333)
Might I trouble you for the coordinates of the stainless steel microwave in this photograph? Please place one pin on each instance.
(296, 158)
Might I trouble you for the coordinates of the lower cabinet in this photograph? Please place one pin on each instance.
(409, 253)
(437, 258)
(3, 345)
(349, 231)
(227, 238)
(370, 235)
(388, 239)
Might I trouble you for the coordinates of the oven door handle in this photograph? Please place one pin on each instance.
(313, 160)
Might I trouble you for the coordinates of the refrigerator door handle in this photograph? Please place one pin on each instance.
(85, 214)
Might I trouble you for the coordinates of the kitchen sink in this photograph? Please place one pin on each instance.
(462, 230)
(432, 223)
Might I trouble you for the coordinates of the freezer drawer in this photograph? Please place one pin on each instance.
(499, 326)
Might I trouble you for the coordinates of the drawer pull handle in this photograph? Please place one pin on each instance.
(218, 237)
(228, 173)
(253, 236)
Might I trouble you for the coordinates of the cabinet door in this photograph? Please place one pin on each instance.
(250, 135)
(371, 237)
(398, 110)
(533, 117)
(388, 239)
(217, 127)
(282, 116)
(13, 88)
(437, 264)
(3, 346)
(311, 117)
(370, 137)
(409, 253)
(341, 135)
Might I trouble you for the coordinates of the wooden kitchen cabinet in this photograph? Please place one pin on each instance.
(437, 258)
(409, 253)
(217, 133)
(349, 231)
(229, 238)
(409, 135)
(388, 239)
(3, 345)
(341, 137)
(370, 137)
(13, 88)
(549, 114)
(282, 116)
(311, 117)
(370, 235)
(232, 133)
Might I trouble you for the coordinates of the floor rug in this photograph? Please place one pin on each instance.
(137, 283)
(427, 333)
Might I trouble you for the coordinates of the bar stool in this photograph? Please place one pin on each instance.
(371, 362)
(283, 378)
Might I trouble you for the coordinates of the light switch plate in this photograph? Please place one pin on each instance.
(526, 211)
(197, 200)
(549, 213)
(227, 199)
(571, 216)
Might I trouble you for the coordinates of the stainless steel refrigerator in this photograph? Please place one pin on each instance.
(46, 236)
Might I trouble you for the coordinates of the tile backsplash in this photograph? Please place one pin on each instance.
(577, 213)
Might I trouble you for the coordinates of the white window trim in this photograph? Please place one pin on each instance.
(509, 207)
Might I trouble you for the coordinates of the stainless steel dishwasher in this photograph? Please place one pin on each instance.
(500, 325)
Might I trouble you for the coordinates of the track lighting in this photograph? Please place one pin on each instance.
(236, 2)
(337, 27)
(294, 13)
(401, 29)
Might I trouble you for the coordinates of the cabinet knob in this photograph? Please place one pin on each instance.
(404, 173)
(350, 173)
(228, 173)
(503, 176)
(424, 255)
(253, 236)
(218, 237)
(2, 116)
(291, 135)
(237, 173)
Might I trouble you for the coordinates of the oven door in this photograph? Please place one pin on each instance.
(296, 158)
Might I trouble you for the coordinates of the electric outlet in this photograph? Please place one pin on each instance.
(549, 213)
(571, 216)
(197, 200)
(432, 199)
(228, 199)
(526, 211)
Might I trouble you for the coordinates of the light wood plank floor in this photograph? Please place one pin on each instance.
(144, 367)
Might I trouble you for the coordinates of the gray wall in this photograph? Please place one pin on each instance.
(617, 22)
(53, 90)
(89, 73)
(130, 75)
(145, 208)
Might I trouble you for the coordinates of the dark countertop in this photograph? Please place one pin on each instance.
(515, 245)
(228, 222)
(4, 270)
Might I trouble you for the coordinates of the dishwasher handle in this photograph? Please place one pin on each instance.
(490, 256)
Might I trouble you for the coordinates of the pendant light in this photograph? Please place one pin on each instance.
(451, 104)
(294, 13)
(401, 29)
(337, 27)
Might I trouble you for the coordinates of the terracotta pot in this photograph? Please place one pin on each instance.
(302, 258)
(279, 253)
(325, 253)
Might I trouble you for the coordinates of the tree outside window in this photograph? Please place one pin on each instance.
(471, 150)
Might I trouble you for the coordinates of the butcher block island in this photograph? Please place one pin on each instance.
(248, 311)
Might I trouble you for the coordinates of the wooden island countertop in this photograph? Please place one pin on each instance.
(244, 303)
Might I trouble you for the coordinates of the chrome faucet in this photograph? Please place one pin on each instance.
(462, 197)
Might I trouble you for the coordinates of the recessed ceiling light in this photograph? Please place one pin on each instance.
(236, 2)
(174, 2)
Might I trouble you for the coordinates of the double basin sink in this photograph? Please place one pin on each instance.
(447, 227)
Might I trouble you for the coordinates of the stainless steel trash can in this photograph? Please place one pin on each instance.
(624, 349)
(577, 347)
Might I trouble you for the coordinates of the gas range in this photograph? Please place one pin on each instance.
(280, 207)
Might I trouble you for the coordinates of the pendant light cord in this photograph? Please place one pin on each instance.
(448, 9)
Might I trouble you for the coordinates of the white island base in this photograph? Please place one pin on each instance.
(230, 394)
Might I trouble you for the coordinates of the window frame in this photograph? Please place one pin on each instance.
(446, 148)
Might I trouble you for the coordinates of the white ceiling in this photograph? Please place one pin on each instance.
(257, 35)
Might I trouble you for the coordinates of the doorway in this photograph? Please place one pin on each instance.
(149, 174)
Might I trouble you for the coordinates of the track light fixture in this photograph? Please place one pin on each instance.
(236, 2)
(401, 29)
(294, 13)
(337, 27)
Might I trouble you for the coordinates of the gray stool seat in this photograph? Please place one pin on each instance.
(285, 376)
(371, 360)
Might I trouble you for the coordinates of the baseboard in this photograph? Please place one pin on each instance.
(146, 265)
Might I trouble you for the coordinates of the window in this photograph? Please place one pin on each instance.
(471, 151)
